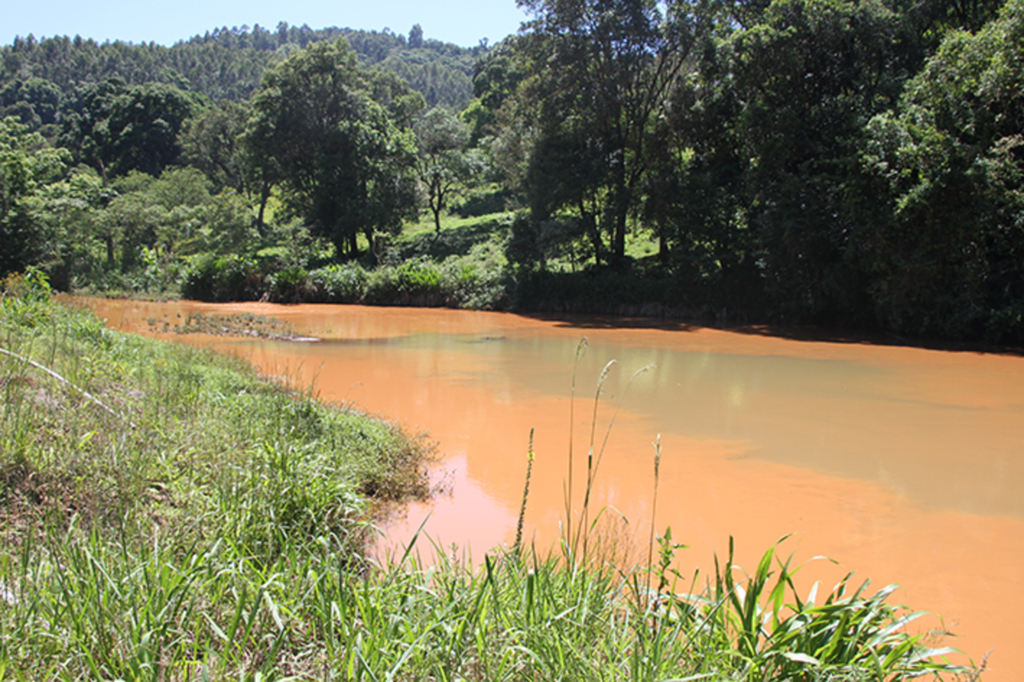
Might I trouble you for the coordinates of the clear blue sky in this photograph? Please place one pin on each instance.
(463, 22)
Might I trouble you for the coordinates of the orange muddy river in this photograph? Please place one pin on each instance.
(904, 465)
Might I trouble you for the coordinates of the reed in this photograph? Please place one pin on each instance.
(576, 542)
(526, 495)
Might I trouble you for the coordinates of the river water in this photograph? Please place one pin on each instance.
(903, 465)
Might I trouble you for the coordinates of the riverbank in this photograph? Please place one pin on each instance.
(185, 565)
(157, 500)
(466, 266)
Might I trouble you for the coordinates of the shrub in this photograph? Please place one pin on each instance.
(337, 284)
(290, 285)
(222, 278)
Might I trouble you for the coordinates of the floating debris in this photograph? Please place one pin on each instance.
(242, 324)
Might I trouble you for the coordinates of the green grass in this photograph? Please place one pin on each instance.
(169, 515)
(458, 235)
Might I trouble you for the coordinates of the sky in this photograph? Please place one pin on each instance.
(463, 22)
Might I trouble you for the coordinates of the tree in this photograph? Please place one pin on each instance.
(945, 242)
(118, 129)
(26, 163)
(34, 100)
(444, 166)
(603, 71)
(808, 75)
(144, 124)
(416, 37)
(85, 125)
(209, 142)
(65, 213)
(326, 128)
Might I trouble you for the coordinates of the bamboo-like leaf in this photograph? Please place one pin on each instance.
(884, 633)
(797, 657)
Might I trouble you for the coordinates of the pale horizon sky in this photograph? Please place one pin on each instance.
(463, 22)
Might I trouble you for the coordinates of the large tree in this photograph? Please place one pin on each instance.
(337, 137)
(118, 129)
(946, 211)
(808, 75)
(444, 165)
(602, 73)
(144, 124)
(209, 142)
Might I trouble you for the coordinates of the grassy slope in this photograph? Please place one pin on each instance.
(143, 455)
(459, 235)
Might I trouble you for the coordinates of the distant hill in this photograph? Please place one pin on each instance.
(223, 64)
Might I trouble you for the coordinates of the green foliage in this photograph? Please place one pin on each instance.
(224, 64)
(602, 72)
(222, 278)
(34, 101)
(337, 284)
(331, 131)
(26, 163)
(771, 633)
(441, 76)
(444, 166)
(143, 127)
(486, 200)
(209, 142)
(176, 187)
(810, 74)
(25, 298)
(946, 246)
(289, 285)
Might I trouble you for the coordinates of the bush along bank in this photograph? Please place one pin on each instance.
(454, 283)
(170, 515)
(468, 283)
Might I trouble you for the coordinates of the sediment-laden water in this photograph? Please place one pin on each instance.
(905, 465)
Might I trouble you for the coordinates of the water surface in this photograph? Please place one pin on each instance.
(905, 465)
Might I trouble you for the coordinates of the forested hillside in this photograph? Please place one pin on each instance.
(38, 78)
(849, 163)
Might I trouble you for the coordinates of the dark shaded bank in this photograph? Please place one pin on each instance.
(623, 297)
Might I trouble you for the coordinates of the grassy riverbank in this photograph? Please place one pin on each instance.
(169, 515)
(151, 493)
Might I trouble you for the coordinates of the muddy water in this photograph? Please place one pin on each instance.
(904, 465)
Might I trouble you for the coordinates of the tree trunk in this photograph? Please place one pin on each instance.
(590, 229)
(264, 198)
(620, 207)
(371, 250)
(662, 245)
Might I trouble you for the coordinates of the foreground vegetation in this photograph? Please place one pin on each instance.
(169, 515)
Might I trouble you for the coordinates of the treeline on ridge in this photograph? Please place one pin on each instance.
(850, 163)
(39, 77)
